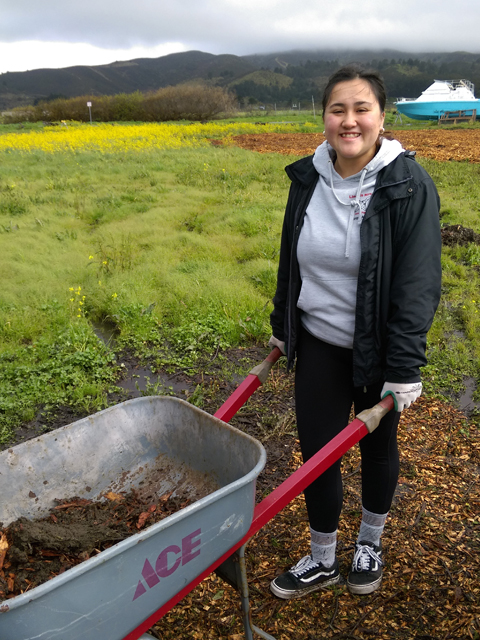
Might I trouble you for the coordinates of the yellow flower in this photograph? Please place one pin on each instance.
(90, 257)
(114, 295)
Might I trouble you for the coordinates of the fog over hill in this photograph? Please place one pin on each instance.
(293, 75)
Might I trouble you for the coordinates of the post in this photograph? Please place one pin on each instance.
(313, 105)
(89, 105)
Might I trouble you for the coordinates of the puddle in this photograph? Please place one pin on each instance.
(106, 332)
(142, 379)
(466, 402)
(139, 380)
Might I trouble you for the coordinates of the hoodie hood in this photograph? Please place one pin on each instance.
(325, 157)
(323, 161)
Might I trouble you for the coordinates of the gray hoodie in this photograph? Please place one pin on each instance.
(329, 244)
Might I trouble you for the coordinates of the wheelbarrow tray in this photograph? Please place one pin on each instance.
(110, 594)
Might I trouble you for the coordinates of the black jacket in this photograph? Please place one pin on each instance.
(400, 271)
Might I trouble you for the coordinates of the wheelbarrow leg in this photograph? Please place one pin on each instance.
(234, 571)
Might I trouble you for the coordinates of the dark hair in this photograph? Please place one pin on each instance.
(355, 72)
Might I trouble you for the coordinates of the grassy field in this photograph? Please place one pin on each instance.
(170, 242)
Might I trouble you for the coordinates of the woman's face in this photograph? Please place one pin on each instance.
(352, 124)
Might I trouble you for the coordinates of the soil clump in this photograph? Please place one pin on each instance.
(453, 234)
(75, 530)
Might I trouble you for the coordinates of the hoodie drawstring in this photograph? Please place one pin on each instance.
(354, 206)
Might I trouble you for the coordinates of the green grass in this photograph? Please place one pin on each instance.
(172, 248)
(177, 251)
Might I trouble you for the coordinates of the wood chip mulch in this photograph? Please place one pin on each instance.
(436, 144)
(431, 586)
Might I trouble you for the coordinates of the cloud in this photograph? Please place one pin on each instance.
(35, 54)
(243, 26)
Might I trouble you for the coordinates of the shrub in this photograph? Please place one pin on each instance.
(181, 102)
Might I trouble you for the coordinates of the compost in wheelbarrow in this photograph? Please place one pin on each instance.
(78, 528)
(111, 593)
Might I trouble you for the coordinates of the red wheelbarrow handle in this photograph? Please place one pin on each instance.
(364, 423)
(255, 378)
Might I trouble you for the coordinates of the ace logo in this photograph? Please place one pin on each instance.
(168, 561)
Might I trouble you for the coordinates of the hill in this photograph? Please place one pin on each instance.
(141, 74)
(281, 77)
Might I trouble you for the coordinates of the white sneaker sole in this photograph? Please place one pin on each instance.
(364, 589)
(289, 595)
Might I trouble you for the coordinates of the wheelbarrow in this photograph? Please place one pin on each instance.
(121, 592)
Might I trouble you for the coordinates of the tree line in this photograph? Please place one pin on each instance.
(404, 78)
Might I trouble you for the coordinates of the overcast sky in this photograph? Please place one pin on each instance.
(59, 33)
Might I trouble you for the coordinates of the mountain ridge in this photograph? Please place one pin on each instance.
(405, 73)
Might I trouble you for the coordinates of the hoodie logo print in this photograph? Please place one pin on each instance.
(360, 205)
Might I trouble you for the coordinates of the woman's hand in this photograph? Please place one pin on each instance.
(403, 394)
(274, 342)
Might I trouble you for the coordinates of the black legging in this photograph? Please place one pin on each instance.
(324, 393)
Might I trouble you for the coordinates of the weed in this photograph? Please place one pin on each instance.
(9, 228)
(154, 388)
(114, 255)
(197, 398)
(77, 302)
(65, 235)
(473, 255)
(68, 367)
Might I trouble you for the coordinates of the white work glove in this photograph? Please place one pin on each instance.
(274, 342)
(403, 394)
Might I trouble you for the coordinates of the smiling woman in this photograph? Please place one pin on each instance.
(353, 120)
(358, 286)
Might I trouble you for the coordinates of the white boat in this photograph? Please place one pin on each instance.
(453, 96)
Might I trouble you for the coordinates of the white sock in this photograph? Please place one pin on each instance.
(371, 527)
(323, 547)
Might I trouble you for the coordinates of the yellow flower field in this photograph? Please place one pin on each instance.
(108, 138)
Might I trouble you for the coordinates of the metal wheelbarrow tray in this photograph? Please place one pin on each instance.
(109, 595)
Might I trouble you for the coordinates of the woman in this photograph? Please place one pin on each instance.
(358, 286)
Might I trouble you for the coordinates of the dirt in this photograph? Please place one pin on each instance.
(77, 529)
(453, 234)
(461, 145)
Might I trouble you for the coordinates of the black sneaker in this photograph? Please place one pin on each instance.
(304, 577)
(366, 573)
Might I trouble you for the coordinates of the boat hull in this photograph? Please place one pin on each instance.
(433, 110)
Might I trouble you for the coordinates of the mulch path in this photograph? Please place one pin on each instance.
(437, 144)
